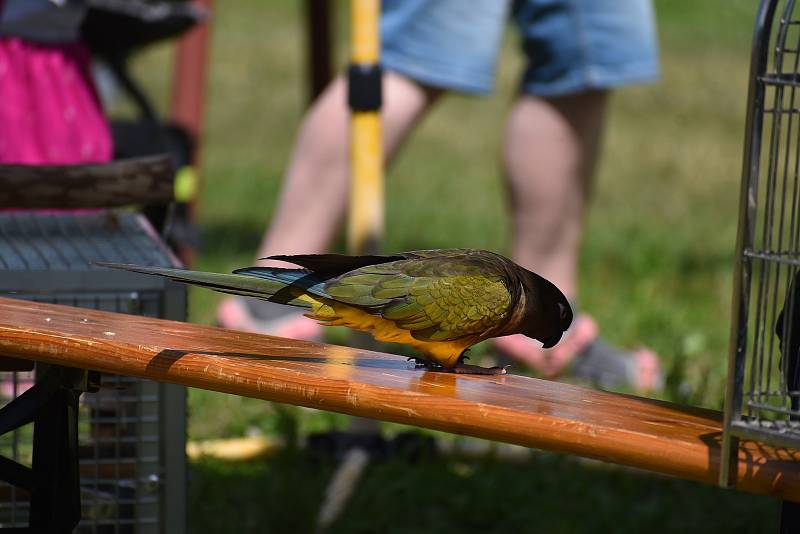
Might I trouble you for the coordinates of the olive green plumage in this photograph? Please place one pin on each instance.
(437, 295)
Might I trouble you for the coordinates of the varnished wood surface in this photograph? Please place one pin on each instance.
(651, 435)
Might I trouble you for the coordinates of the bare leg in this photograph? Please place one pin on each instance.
(550, 153)
(314, 196)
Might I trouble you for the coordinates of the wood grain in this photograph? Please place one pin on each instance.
(145, 180)
(647, 434)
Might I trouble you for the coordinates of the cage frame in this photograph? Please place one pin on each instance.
(735, 427)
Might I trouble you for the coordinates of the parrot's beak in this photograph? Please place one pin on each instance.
(551, 341)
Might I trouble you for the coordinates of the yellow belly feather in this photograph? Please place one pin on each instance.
(332, 313)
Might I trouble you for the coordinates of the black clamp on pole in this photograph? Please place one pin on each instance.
(364, 87)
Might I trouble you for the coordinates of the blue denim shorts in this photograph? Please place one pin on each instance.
(570, 45)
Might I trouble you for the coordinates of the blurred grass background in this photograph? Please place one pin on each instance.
(655, 270)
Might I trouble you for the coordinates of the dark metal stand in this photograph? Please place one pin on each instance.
(53, 482)
(790, 517)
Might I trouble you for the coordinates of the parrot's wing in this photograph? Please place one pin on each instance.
(434, 300)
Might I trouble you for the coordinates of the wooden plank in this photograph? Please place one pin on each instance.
(145, 180)
(647, 434)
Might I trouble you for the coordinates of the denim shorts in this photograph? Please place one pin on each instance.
(570, 45)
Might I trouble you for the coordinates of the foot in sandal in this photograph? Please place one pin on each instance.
(588, 357)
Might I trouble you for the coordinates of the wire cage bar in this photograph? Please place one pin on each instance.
(131, 432)
(763, 391)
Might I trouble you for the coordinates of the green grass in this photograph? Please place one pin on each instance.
(655, 269)
(549, 493)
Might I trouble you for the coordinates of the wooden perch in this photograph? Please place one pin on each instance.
(145, 181)
(623, 429)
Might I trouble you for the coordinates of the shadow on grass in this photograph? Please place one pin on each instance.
(547, 493)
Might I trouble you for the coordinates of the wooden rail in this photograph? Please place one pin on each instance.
(647, 434)
(144, 180)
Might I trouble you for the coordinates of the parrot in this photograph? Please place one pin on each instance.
(788, 332)
(440, 302)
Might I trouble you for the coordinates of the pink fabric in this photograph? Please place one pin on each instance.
(50, 112)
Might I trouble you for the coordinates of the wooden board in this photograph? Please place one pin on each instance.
(145, 180)
(647, 434)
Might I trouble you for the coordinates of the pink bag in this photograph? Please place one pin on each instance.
(50, 112)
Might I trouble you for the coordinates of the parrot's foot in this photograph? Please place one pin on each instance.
(469, 369)
(423, 363)
(460, 368)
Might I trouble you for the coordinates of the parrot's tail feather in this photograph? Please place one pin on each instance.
(331, 265)
(249, 285)
(299, 278)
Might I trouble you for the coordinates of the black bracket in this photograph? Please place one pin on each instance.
(53, 481)
(364, 91)
(790, 517)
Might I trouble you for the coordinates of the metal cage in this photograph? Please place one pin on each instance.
(763, 392)
(131, 433)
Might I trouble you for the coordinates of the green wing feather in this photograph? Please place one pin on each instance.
(437, 299)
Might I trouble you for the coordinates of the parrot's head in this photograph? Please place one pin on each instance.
(547, 311)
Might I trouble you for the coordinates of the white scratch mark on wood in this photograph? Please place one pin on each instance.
(408, 411)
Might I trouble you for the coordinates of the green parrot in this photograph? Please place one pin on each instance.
(441, 302)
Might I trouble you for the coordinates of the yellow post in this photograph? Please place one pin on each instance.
(365, 223)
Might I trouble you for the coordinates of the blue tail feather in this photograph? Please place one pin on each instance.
(300, 278)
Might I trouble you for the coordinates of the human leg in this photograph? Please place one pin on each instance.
(314, 195)
(552, 139)
(549, 154)
(427, 48)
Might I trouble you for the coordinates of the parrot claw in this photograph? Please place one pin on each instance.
(460, 368)
(468, 369)
(422, 362)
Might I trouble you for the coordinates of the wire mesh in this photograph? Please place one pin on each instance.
(122, 432)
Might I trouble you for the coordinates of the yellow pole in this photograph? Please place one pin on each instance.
(366, 212)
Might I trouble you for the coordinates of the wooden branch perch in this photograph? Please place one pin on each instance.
(647, 434)
(146, 180)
